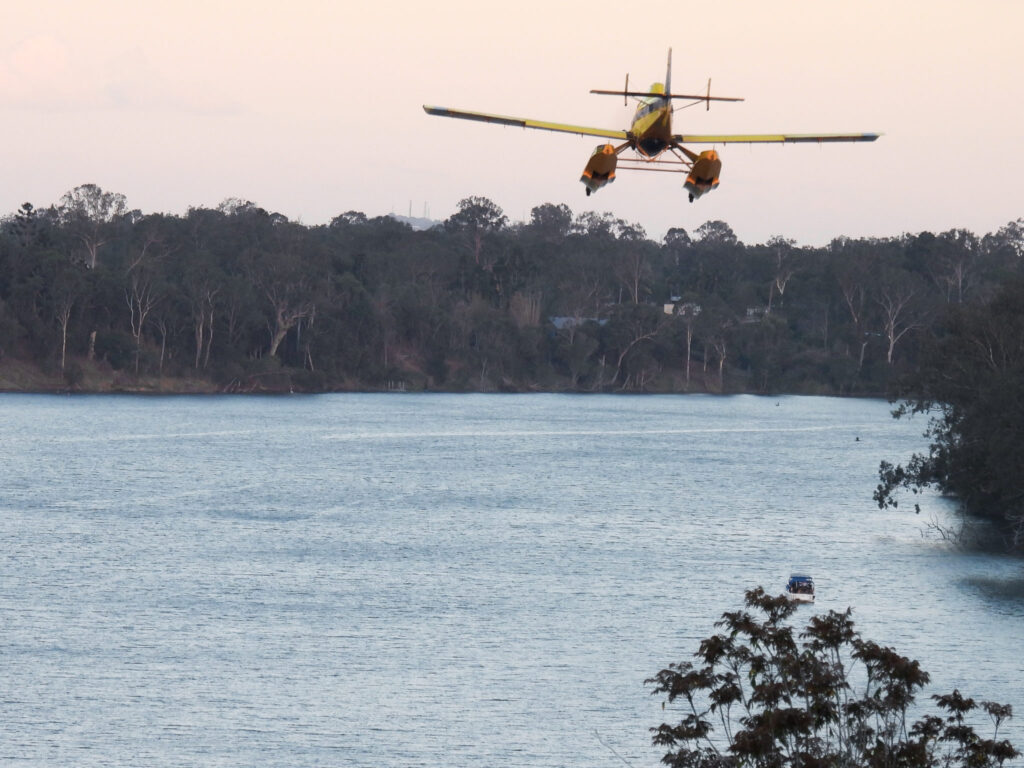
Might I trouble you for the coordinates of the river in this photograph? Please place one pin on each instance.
(426, 580)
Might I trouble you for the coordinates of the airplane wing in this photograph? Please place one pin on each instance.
(520, 122)
(769, 138)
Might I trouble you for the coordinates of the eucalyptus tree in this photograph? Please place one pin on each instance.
(67, 289)
(715, 327)
(287, 279)
(550, 223)
(632, 265)
(678, 240)
(141, 296)
(150, 273)
(631, 330)
(949, 261)
(713, 260)
(90, 213)
(686, 312)
(716, 231)
(1009, 239)
(901, 301)
(596, 225)
(202, 284)
(476, 218)
(855, 263)
(784, 256)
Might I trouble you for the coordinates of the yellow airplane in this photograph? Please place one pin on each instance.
(650, 137)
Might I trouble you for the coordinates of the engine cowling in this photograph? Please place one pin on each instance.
(600, 168)
(703, 176)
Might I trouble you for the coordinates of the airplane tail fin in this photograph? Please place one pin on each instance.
(667, 92)
(668, 73)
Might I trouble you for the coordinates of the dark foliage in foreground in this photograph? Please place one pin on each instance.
(970, 382)
(759, 695)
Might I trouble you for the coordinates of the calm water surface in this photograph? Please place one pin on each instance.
(425, 580)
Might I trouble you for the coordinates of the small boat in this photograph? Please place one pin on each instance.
(800, 588)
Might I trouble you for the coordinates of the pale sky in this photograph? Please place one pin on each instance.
(312, 108)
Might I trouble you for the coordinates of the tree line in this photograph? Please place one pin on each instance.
(236, 298)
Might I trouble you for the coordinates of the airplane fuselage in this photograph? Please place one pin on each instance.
(651, 129)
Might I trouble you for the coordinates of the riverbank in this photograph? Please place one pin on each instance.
(93, 377)
(98, 377)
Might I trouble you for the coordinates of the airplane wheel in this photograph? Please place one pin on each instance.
(691, 198)
(588, 191)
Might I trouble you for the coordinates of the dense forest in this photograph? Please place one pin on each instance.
(96, 296)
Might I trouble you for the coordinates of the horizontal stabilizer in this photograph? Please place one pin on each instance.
(646, 94)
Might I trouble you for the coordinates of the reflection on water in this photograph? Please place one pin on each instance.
(999, 591)
(393, 580)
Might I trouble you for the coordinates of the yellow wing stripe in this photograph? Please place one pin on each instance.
(778, 138)
(520, 122)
